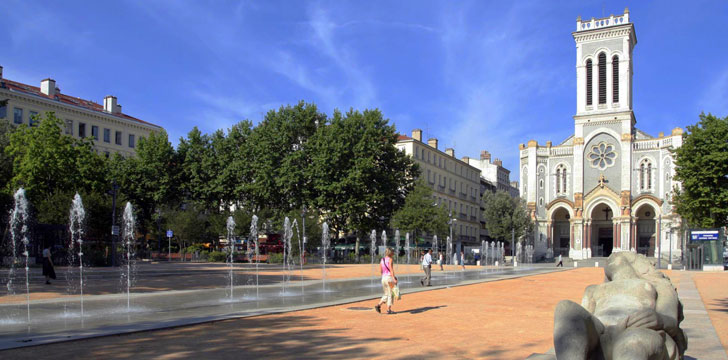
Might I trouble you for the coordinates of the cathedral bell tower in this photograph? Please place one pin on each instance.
(604, 64)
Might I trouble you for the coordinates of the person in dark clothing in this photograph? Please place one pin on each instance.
(48, 271)
(561, 263)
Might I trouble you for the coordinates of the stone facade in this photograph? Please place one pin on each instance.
(454, 183)
(607, 187)
(112, 130)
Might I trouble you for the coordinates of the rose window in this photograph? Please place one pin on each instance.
(602, 156)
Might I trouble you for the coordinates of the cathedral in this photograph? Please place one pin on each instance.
(606, 188)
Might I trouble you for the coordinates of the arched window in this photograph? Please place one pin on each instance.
(615, 79)
(561, 179)
(645, 175)
(558, 179)
(589, 82)
(602, 78)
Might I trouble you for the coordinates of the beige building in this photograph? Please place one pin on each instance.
(455, 183)
(112, 130)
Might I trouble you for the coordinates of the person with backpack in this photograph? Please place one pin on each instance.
(389, 281)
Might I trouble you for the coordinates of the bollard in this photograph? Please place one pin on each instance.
(478, 262)
(669, 266)
(496, 263)
(596, 264)
(575, 263)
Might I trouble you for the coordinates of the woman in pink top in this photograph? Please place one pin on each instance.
(386, 267)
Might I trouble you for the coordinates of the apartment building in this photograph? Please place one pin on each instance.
(454, 182)
(111, 129)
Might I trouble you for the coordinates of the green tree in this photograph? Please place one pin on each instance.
(46, 161)
(701, 165)
(6, 170)
(359, 177)
(504, 215)
(421, 213)
(149, 179)
(278, 159)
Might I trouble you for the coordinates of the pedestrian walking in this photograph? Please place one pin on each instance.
(561, 263)
(389, 281)
(462, 259)
(441, 261)
(48, 271)
(427, 266)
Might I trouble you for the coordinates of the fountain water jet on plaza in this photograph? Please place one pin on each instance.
(325, 247)
(76, 219)
(231, 252)
(254, 237)
(19, 231)
(396, 243)
(129, 242)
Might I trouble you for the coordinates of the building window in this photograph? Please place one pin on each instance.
(81, 130)
(602, 78)
(117, 139)
(131, 140)
(32, 118)
(106, 154)
(107, 135)
(615, 79)
(561, 179)
(18, 115)
(589, 82)
(645, 175)
(69, 127)
(95, 132)
(3, 111)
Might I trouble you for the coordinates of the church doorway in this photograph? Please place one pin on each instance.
(561, 232)
(602, 230)
(645, 236)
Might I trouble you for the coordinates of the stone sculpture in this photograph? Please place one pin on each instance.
(634, 314)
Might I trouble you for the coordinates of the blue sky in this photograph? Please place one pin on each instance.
(474, 74)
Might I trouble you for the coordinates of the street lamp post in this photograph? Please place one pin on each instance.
(450, 222)
(114, 229)
(669, 236)
(513, 248)
(659, 242)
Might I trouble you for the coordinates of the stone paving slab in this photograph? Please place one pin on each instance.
(703, 341)
(55, 320)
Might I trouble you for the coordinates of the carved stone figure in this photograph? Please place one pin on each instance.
(634, 314)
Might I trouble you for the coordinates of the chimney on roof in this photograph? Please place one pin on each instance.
(485, 155)
(432, 142)
(417, 134)
(110, 105)
(466, 159)
(1, 72)
(48, 87)
(498, 162)
(450, 152)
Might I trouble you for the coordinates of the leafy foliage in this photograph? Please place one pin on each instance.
(359, 177)
(421, 213)
(504, 214)
(701, 165)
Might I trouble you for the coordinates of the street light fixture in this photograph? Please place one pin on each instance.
(114, 228)
(450, 222)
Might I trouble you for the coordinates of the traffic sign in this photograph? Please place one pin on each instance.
(704, 235)
(170, 233)
(115, 230)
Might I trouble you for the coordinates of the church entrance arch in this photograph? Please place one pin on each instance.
(601, 230)
(561, 231)
(645, 229)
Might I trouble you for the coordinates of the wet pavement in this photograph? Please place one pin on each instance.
(60, 319)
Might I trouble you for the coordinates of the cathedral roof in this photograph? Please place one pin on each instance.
(569, 141)
(641, 135)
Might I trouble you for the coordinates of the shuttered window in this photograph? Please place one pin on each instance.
(602, 78)
(615, 79)
(589, 82)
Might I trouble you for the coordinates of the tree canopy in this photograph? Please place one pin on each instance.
(421, 213)
(701, 166)
(504, 214)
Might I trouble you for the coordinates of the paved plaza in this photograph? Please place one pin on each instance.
(497, 319)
